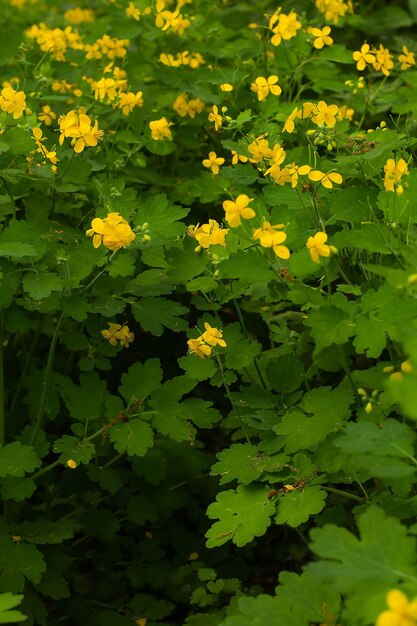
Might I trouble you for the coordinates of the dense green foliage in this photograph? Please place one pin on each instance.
(208, 312)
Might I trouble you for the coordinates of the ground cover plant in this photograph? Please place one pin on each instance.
(208, 313)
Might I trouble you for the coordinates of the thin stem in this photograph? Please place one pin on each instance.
(45, 384)
(91, 283)
(229, 395)
(343, 493)
(51, 466)
(255, 360)
(25, 369)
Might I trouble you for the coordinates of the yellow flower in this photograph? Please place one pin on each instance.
(259, 149)
(213, 336)
(13, 102)
(283, 26)
(214, 116)
(363, 56)
(226, 87)
(71, 464)
(317, 246)
(160, 129)
(297, 170)
(210, 234)
(383, 60)
(117, 332)
(325, 114)
(132, 11)
(77, 15)
(47, 116)
(104, 88)
(321, 37)
(394, 171)
(334, 9)
(213, 162)
(128, 101)
(401, 612)
(78, 127)
(326, 180)
(270, 237)
(406, 59)
(237, 210)
(289, 125)
(113, 232)
(238, 157)
(199, 348)
(263, 86)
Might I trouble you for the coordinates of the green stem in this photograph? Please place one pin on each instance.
(229, 395)
(343, 493)
(91, 283)
(45, 384)
(51, 466)
(255, 360)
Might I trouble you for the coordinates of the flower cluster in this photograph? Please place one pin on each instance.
(118, 333)
(13, 102)
(283, 26)
(171, 21)
(378, 58)
(78, 15)
(405, 368)
(333, 10)
(107, 46)
(55, 40)
(215, 117)
(160, 129)
(192, 59)
(207, 235)
(202, 346)
(321, 114)
(401, 612)
(113, 232)
(77, 126)
(394, 171)
(183, 106)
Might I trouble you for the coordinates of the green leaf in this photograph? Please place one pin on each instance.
(134, 437)
(47, 531)
(285, 373)
(17, 489)
(155, 313)
(85, 401)
(295, 507)
(382, 450)
(17, 250)
(9, 601)
(243, 515)
(237, 462)
(41, 285)
(384, 554)
(302, 432)
(240, 351)
(161, 217)
(140, 381)
(80, 451)
(196, 368)
(17, 460)
(171, 415)
(17, 562)
(329, 325)
(19, 140)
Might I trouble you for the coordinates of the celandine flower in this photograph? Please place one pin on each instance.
(238, 209)
(118, 333)
(401, 612)
(160, 129)
(13, 102)
(113, 232)
(199, 348)
(213, 336)
(213, 162)
(270, 237)
(318, 247)
(394, 171)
